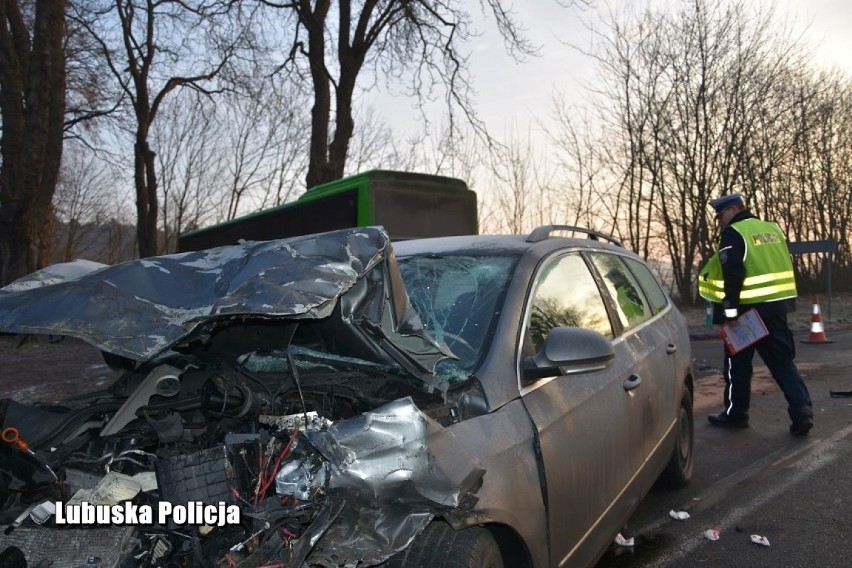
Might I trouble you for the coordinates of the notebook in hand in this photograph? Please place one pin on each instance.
(747, 330)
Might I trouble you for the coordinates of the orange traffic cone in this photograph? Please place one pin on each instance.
(817, 330)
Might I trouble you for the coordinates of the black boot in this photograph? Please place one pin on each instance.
(802, 427)
(728, 420)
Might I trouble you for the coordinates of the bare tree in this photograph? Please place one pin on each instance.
(217, 161)
(289, 160)
(188, 164)
(422, 38)
(263, 146)
(32, 102)
(580, 161)
(117, 237)
(813, 179)
(369, 147)
(82, 197)
(522, 190)
(444, 150)
(683, 104)
(153, 47)
(89, 98)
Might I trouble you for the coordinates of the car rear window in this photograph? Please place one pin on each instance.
(653, 291)
(630, 302)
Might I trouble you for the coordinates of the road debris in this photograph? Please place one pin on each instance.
(712, 534)
(761, 540)
(679, 515)
(621, 541)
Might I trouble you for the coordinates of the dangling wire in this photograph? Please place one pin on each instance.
(285, 451)
(295, 372)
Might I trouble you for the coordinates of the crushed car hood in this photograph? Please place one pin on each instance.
(141, 308)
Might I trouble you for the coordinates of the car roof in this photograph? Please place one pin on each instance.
(462, 244)
(542, 238)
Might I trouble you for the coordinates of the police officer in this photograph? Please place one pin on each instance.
(753, 269)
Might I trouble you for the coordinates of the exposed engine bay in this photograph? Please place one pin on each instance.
(297, 443)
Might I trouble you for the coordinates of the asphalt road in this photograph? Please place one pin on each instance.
(795, 492)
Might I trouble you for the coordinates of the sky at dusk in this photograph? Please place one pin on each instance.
(513, 95)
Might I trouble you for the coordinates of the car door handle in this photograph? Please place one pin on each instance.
(671, 348)
(632, 382)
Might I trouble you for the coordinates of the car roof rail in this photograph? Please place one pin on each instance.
(543, 232)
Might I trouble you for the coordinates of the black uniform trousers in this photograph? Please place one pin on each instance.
(778, 350)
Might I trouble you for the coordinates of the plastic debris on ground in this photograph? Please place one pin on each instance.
(712, 534)
(621, 541)
(679, 515)
(761, 540)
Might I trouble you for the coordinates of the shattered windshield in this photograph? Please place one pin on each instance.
(458, 299)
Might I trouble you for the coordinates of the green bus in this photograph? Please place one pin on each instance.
(408, 205)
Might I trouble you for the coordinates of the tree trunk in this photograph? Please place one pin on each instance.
(344, 124)
(147, 205)
(32, 82)
(318, 166)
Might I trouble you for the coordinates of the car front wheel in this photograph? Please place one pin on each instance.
(439, 546)
(679, 471)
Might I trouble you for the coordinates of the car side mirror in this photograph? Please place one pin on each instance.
(567, 351)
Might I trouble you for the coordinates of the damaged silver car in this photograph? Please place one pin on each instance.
(332, 400)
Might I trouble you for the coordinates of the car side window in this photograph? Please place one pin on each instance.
(653, 291)
(565, 294)
(630, 301)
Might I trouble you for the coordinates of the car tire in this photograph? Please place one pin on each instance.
(439, 546)
(679, 470)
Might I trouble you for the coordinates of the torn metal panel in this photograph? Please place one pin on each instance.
(396, 469)
(61, 272)
(138, 309)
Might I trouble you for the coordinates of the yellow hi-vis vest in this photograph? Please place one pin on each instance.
(768, 266)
